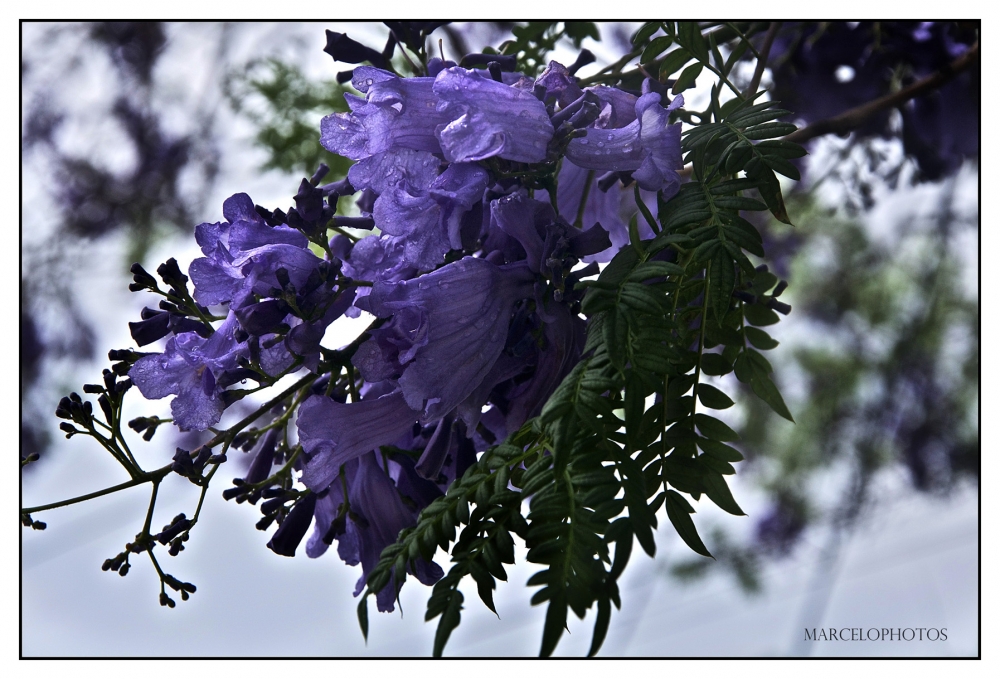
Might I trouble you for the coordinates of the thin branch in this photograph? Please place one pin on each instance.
(151, 476)
(765, 51)
(856, 117)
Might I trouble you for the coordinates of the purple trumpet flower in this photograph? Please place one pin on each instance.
(648, 147)
(448, 328)
(612, 209)
(370, 517)
(558, 81)
(191, 368)
(396, 113)
(334, 433)
(488, 118)
(429, 222)
(243, 255)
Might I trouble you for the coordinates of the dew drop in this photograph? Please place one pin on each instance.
(584, 141)
(610, 136)
(600, 143)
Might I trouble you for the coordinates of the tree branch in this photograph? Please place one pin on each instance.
(855, 117)
(765, 51)
(154, 476)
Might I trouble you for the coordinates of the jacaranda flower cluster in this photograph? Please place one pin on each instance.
(484, 191)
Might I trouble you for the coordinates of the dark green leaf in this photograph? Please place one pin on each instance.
(730, 106)
(686, 216)
(450, 619)
(679, 512)
(643, 34)
(763, 281)
(718, 492)
(760, 339)
(759, 315)
(684, 473)
(747, 111)
(714, 429)
(633, 234)
(720, 334)
(597, 300)
(737, 160)
(484, 583)
(656, 269)
(653, 361)
(780, 147)
(769, 131)
(619, 267)
(665, 239)
(736, 222)
(715, 364)
(363, 616)
(555, 623)
(635, 402)
(673, 61)
(732, 186)
(706, 250)
(739, 203)
(600, 625)
(655, 48)
(716, 465)
(720, 450)
(761, 117)
(690, 34)
(743, 240)
(643, 521)
(687, 77)
(736, 253)
(615, 330)
(578, 30)
(770, 190)
(782, 166)
(741, 48)
(765, 389)
(713, 398)
(642, 298)
(721, 280)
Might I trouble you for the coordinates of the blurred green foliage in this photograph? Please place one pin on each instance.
(286, 108)
(887, 364)
(533, 41)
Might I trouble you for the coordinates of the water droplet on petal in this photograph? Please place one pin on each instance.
(600, 143)
(584, 141)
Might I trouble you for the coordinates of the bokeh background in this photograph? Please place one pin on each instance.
(863, 514)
